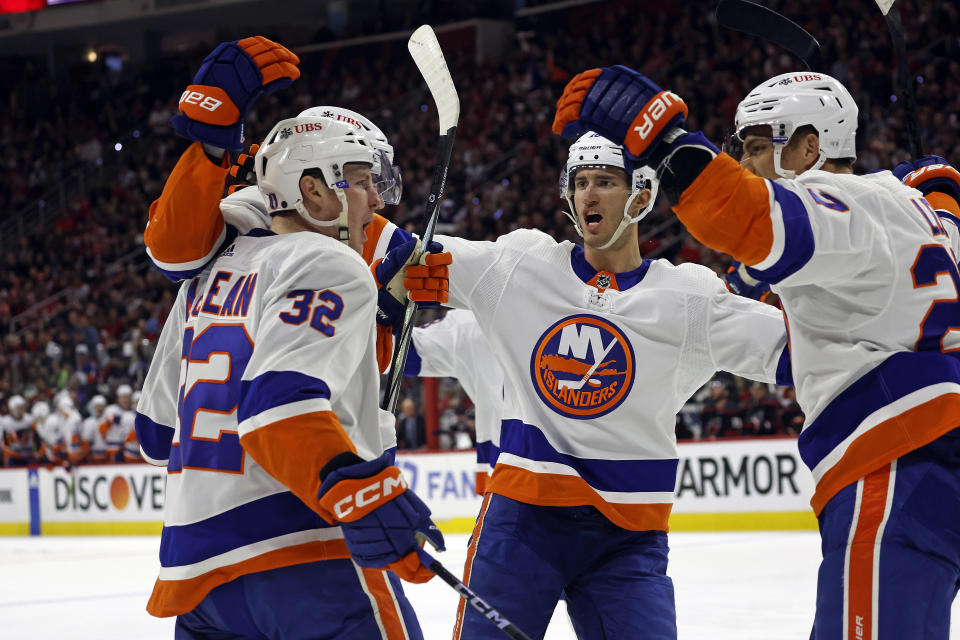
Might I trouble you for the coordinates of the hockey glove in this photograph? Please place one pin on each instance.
(930, 174)
(243, 171)
(383, 522)
(425, 279)
(743, 284)
(229, 81)
(622, 105)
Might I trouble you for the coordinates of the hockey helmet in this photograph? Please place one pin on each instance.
(792, 100)
(297, 144)
(385, 173)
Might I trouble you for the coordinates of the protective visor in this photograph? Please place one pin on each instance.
(387, 179)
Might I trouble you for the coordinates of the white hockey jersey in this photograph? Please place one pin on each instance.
(277, 373)
(116, 425)
(869, 285)
(60, 427)
(596, 366)
(20, 438)
(455, 347)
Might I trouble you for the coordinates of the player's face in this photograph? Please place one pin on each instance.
(599, 196)
(758, 154)
(362, 202)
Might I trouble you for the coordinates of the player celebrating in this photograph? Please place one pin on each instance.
(278, 435)
(599, 348)
(869, 284)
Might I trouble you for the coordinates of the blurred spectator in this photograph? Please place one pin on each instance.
(721, 414)
(761, 411)
(411, 428)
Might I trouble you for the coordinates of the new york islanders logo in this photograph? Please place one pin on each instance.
(582, 367)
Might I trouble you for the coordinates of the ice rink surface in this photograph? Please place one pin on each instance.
(729, 586)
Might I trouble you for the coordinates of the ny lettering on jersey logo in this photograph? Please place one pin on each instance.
(582, 367)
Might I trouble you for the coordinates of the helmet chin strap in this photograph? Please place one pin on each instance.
(340, 222)
(625, 222)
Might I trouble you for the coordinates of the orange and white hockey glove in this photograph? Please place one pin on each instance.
(408, 272)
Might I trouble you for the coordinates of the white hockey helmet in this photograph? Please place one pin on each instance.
(593, 151)
(16, 402)
(64, 403)
(386, 174)
(98, 401)
(40, 410)
(298, 144)
(792, 100)
(124, 390)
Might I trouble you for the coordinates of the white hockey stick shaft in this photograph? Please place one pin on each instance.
(427, 55)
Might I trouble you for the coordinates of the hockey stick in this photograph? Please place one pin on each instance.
(891, 13)
(761, 22)
(473, 599)
(426, 53)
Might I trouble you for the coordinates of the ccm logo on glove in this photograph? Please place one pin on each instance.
(382, 487)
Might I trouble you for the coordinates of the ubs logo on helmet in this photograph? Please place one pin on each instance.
(582, 367)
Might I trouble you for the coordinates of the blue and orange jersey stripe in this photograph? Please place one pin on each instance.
(633, 494)
(287, 425)
(861, 430)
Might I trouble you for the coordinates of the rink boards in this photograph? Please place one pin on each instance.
(738, 485)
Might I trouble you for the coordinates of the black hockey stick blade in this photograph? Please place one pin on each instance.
(427, 55)
(761, 22)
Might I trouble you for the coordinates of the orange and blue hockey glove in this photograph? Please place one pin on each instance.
(425, 279)
(383, 521)
(227, 84)
(621, 105)
(934, 178)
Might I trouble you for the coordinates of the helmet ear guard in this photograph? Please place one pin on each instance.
(593, 151)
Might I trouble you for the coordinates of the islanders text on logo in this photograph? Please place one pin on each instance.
(582, 367)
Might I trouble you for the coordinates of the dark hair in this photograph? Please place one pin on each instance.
(803, 131)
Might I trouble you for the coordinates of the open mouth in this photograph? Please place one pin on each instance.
(592, 219)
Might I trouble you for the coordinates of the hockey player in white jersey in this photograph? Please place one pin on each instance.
(278, 427)
(599, 348)
(455, 347)
(869, 285)
(18, 433)
(60, 432)
(119, 420)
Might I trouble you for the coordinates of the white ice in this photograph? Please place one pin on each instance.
(729, 586)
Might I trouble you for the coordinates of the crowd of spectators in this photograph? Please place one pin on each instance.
(81, 309)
